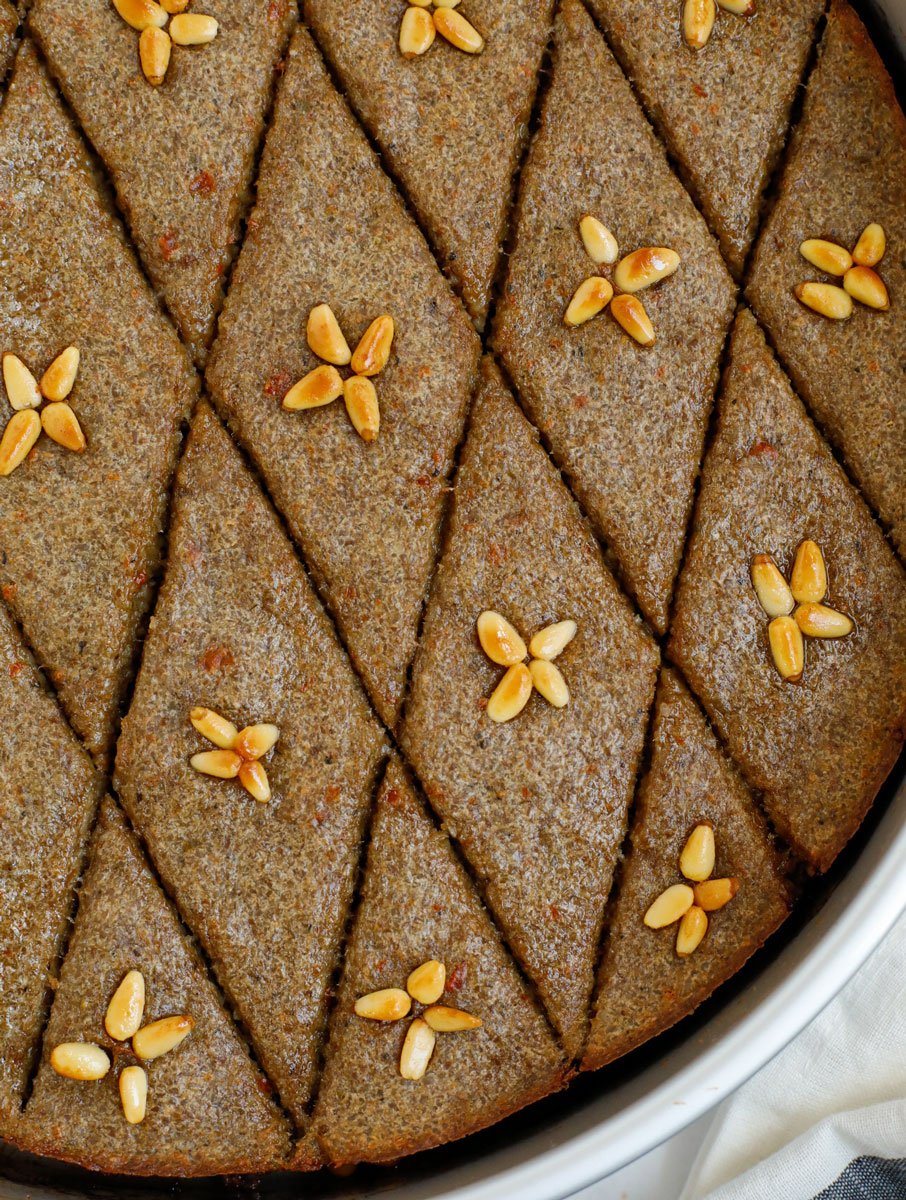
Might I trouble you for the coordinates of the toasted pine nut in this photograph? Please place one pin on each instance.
(550, 642)
(388, 1004)
(417, 32)
(697, 857)
(787, 648)
(549, 682)
(21, 433)
(126, 1007)
(669, 906)
(598, 241)
(154, 48)
(511, 695)
(645, 267)
(62, 426)
(21, 387)
(819, 621)
(420, 1037)
(321, 386)
(826, 256)
(193, 29)
(444, 1019)
(867, 286)
(57, 381)
(825, 298)
(134, 1094)
(771, 588)
(698, 21)
(256, 740)
(452, 26)
(427, 982)
(739, 8)
(373, 351)
(590, 297)
(629, 313)
(160, 1037)
(174, 6)
(712, 894)
(222, 764)
(871, 246)
(215, 728)
(362, 406)
(79, 1060)
(141, 14)
(253, 778)
(325, 337)
(499, 640)
(692, 929)
(808, 580)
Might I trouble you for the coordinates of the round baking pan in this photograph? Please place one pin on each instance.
(606, 1119)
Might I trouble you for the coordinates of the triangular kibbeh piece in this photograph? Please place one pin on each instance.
(538, 804)
(644, 986)
(208, 1109)
(49, 792)
(330, 228)
(180, 155)
(846, 168)
(625, 423)
(819, 749)
(723, 110)
(450, 125)
(80, 531)
(264, 886)
(418, 904)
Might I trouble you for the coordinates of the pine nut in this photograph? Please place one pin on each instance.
(193, 29)
(692, 929)
(598, 241)
(809, 576)
(362, 406)
(698, 21)
(253, 778)
(819, 621)
(825, 298)
(871, 246)
(453, 26)
(214, 728)
(422, 3)
(154, 48)
(697, 857)
(771, 588)
(712, 894)
(787, 648)
(629, 313)
(325, 337)
(427, 982)
(57, 381)
(739, 8)
(222, 764)
(511, 695)
(141, 14)
(126, 1007)
(645, 267)
(826, 256)
(866, 286)
(79, 1060)
(550, 642)
(549, 682)
(62, 426)
(388, 1004)
(160, 1037)
(256, 740)
(417, 32)
(321, 386)
(444, 1019)
(590, 297)
(134, 1094)
(174, 6)
(446, 3)
(669, 906)
(21, 433)
(21, 387)
(420, 1038)
(373, 350)
(499, 640)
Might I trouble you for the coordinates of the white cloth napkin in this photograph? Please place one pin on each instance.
(835, 1095)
